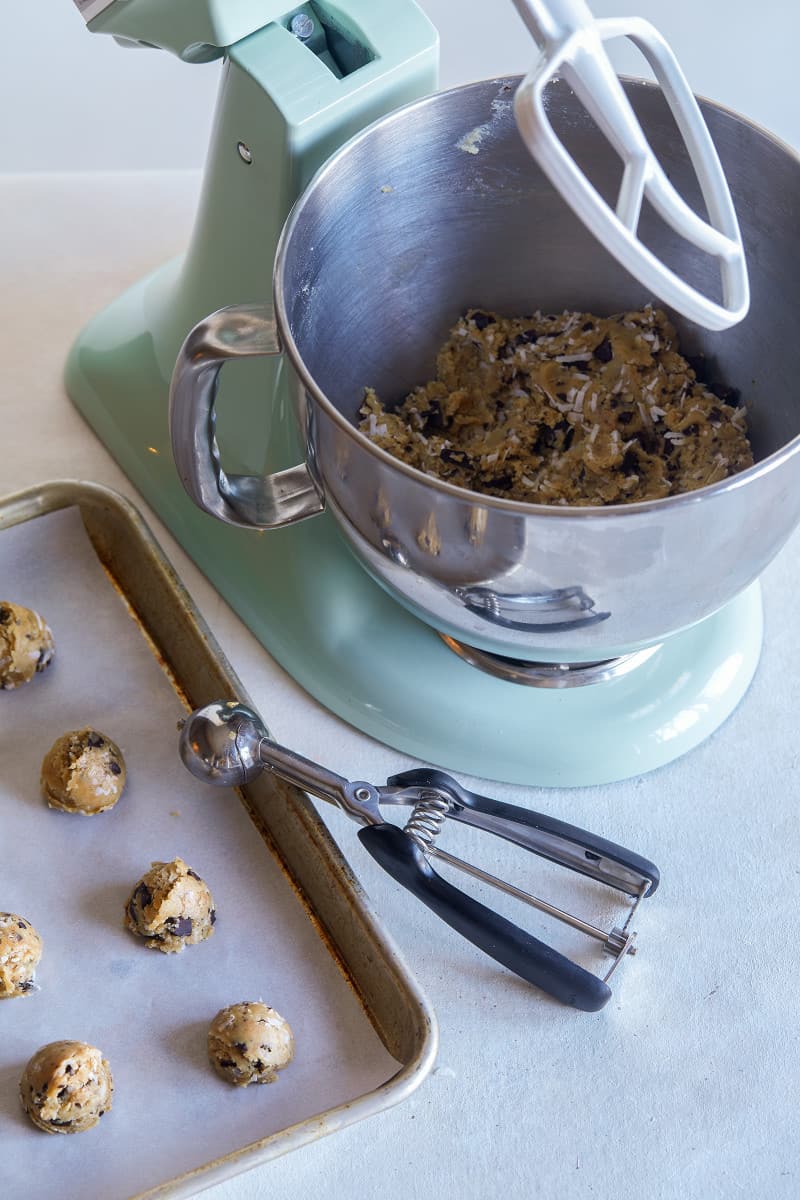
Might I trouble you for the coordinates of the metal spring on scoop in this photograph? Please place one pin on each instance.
(426, 820)
(424, 826)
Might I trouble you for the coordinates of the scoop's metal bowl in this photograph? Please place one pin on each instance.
(437, 208)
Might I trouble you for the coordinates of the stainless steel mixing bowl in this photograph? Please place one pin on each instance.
(437, 208)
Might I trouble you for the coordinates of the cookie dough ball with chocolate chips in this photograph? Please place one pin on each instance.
(249, 1043)
(83, 772)
(20, 951)
(171, 907)
(26, 645)
(66, 1087)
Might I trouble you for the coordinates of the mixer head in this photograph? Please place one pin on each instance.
(195, 30)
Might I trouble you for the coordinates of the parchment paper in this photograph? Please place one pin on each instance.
(71, 875)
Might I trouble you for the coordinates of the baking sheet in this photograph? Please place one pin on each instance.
(71, 876)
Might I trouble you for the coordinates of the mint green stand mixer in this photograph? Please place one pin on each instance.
(297, 83)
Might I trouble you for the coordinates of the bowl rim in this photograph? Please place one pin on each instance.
(497, 503)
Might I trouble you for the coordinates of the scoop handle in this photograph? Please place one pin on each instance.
(562, 843)
(503, 941)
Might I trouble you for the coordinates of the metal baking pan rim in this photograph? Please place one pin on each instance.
(414, 1041)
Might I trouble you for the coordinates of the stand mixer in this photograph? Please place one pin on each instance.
(297, 83)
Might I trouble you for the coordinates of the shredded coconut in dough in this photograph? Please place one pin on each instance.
(569, 409)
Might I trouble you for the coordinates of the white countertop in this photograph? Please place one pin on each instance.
(687, 1083)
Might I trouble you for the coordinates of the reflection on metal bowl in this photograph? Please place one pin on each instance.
(399, 233)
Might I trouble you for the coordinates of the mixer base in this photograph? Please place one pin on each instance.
(365, 657)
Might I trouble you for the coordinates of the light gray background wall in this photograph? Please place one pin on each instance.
(70, 101)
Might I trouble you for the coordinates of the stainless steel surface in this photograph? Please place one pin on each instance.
(215, 745)
(244, 152)
(302, 26)
(611, 941)
(624, 939)
(558, 849)
(397, 235)
(549, 675)
(227, 743)
(427, 818)
(238, 332)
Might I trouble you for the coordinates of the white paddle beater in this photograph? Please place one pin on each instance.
(571, 41)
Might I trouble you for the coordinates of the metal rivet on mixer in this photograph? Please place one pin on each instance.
(245, 153)
(301, 26)
(362, 794)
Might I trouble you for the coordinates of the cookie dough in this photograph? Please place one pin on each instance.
(83, 772)
(20, 951)
(171, 907)
(66, 1087)
(26, 645)
(249, 1043)
(569, 409)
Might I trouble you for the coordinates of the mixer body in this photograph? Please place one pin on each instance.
(283, 107)
(282, 111)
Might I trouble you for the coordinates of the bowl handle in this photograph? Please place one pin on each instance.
(268, 501)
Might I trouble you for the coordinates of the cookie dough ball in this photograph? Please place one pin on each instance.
(20, 951)
(66, 1087)
(83, 772)
(26, 645)
(171, 907)
(249, 1043)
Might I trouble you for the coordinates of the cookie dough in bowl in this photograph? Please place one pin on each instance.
(20, 951)
(66, 1087)
(83, 772)
(171, 907)
(26, 645)
(568, 409)
(249, 1043)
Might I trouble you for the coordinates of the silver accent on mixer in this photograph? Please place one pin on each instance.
(302, 26)
(546, 674)
(89, 9)
(560, 608)
(237, 332)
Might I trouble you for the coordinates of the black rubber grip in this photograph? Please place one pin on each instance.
(590, 844)
(503, 941)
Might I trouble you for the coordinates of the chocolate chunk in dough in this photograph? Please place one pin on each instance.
(249, 1043)
(171, 907)
(20, 951)
(26, 645)
(569, 409)
(83, 772)
(66, 1087)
